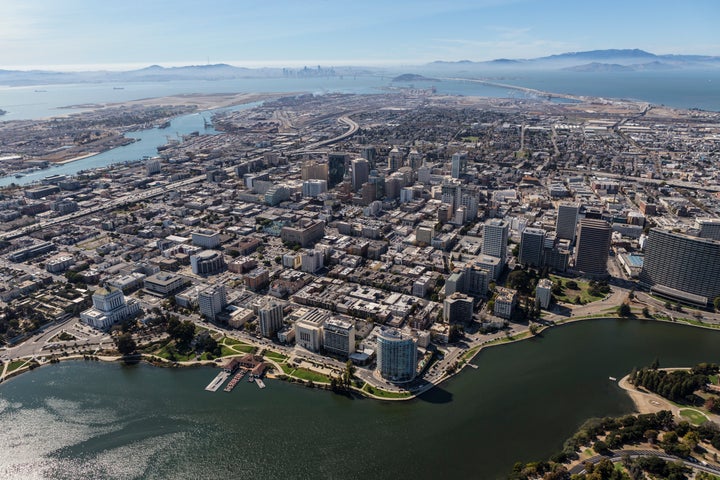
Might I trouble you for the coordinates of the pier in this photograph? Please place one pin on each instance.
(235, 380)
(217, 382)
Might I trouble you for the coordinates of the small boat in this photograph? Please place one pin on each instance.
(613, 379)
(118, 88)
(251, 378)
(19, 175)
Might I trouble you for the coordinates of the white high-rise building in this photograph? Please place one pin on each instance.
(495, 238)
(212, 300)
(312, 261)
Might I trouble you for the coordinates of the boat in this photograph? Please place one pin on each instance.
(19, 175)
(613, 379)
(118, 88)
(251, 378)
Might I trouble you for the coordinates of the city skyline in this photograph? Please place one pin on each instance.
(81, 34)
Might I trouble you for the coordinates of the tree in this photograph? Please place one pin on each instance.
(716, 303)
(601, 447)
(646, 312)
(624, 310)
(181, 332)
(125, 344)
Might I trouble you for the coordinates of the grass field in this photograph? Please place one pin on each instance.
(15, 365)
(693, 416)
(570, 295)
(384, 393)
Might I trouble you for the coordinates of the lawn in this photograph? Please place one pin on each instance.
(309, 375)
(569, 295)
(468, 355)
(384, 393)
(278, 357)
(693, 416)
(15, 365)
(165, 352)
(287, 369)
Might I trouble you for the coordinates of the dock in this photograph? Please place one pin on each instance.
(217, 382)
(259, 383)
(235, 380)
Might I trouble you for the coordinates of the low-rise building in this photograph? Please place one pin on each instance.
(309, 329)
(164, 283)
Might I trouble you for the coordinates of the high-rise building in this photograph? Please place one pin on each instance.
(567, 218)
(709, 228)
(369, 154)
(206, 238)
(312, 170)
(495, 238)
(312, 261)
(207, 262)
(152, 166)
(336, 168)
(339, 337)
(543, 293)
(681, 266)
(395, 159)
(414, 160)
(212, 300)
(270, 315)
(458, 308)
(458, 164)
(360, 173)
(505, 301)
(313, 188)
(532, 242)
(593, 245)
(396, 355)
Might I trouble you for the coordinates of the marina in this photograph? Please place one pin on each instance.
(235, 380)
(217, 382)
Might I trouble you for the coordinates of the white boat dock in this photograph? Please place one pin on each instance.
(217, 382)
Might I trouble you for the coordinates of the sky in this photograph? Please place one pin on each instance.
(79, 34)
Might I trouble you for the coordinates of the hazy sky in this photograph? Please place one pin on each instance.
(42, 33)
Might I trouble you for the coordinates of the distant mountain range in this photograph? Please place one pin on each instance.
(590, 61)
(594, 61)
